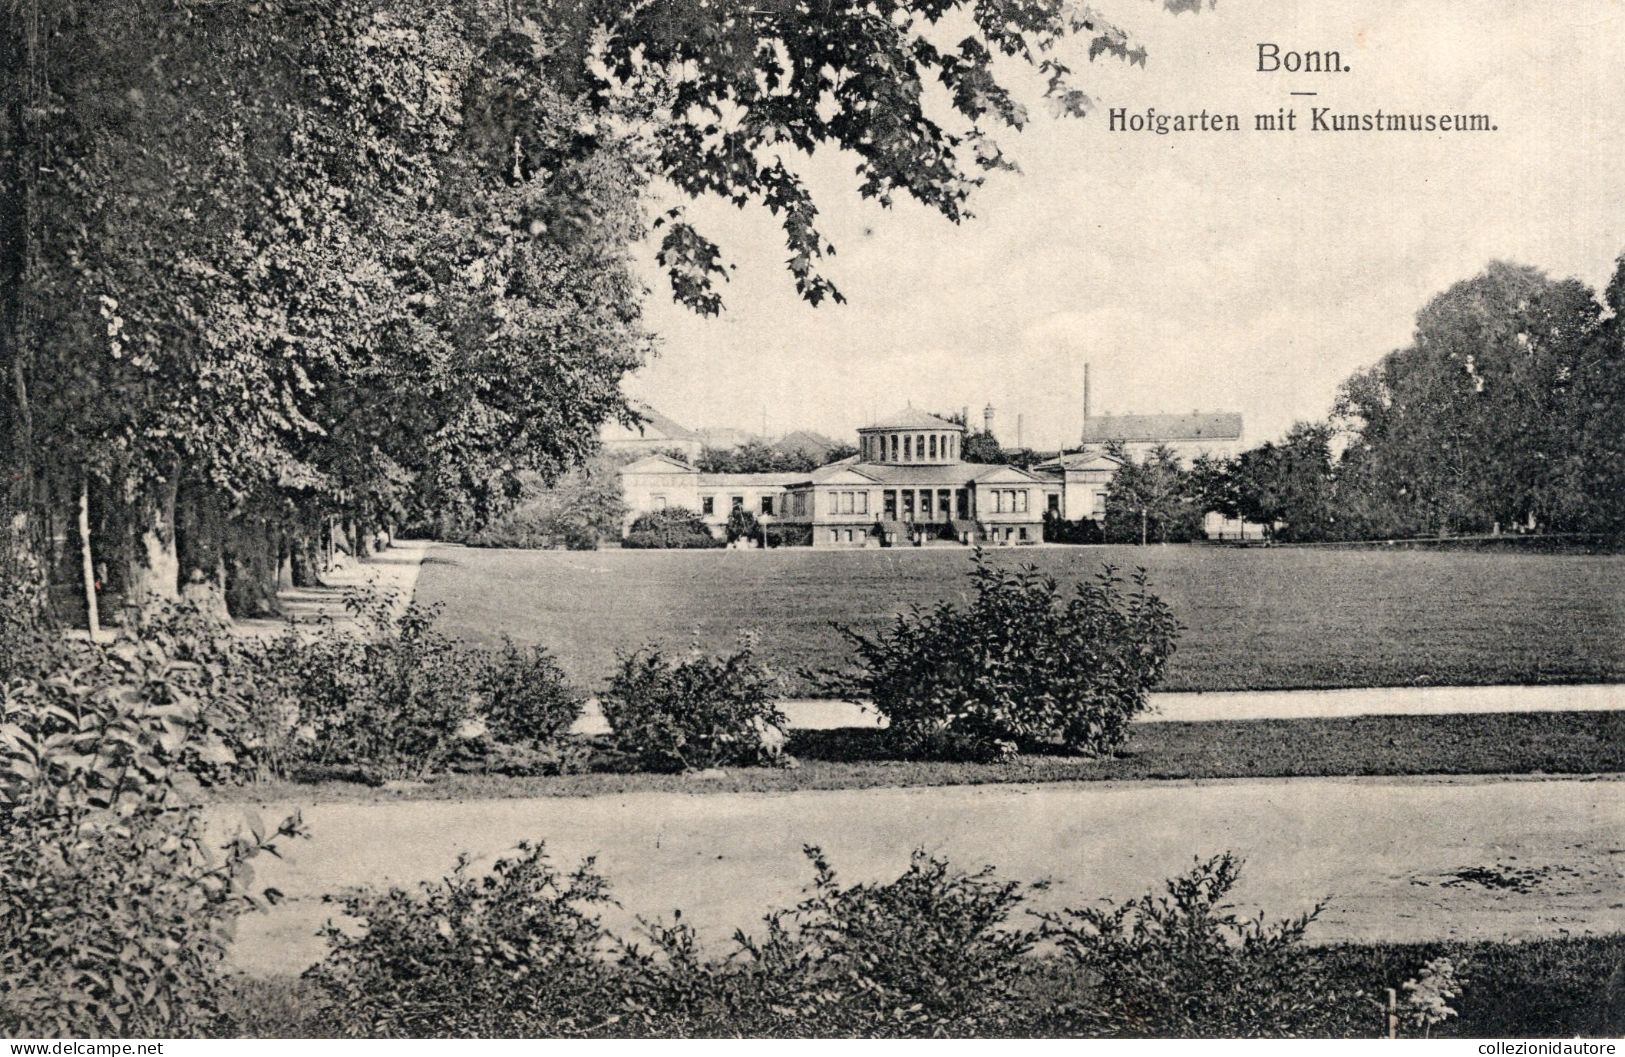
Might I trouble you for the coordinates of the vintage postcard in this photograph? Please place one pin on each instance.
(1012, 519)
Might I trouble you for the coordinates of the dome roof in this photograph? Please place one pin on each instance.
(910, 418)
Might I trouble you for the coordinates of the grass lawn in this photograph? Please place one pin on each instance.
(1278, 618)
(852, 758)
(1537, 989)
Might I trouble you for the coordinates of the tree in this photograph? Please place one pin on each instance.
(742, 525)
(291, 266)
(577, 512)
(1473, 423)
(1287, 487)
(1151, 500)
(981, 447)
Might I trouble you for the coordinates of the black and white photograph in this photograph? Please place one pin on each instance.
(811, 519)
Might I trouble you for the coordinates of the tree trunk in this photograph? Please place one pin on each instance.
(200, 522)
(153, 576)
(251, 567)
(87, 565)
(306, 556)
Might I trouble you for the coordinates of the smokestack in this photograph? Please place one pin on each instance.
(1085, 394)
(1018, 432)
(964, 416)
(987, 419)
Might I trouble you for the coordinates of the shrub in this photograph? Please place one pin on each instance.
(1183, 965)
(517, 952)
(1019, 666)
(931, 953)
(742, 524)
(789, 535)
(695, 712)
(115, 911)
(672, 528)
(528, 701)
(1082, 531)
(394, 702)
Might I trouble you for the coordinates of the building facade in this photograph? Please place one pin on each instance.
(653, 433)
(907, 485)
(1215, 433)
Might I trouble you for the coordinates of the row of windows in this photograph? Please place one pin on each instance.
(1010, 500)
(913, 447)
(948, 502)
(850, 503)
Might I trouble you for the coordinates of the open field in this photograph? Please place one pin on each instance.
(1256, 618)
(1553, 743)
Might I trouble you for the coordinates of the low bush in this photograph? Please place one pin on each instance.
(669, 529)
(1183, 965)
(789, 535)
(115, 910)
(1018, 667)
(395, 701)
(930, 954)
(528, 700)
(1082, 531)
(516, 952)
(696, 711)
(934, 952)
(741, 525)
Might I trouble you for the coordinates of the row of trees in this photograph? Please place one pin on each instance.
(272, 267)
(1507, 409)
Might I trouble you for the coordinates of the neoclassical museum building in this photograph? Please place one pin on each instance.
(907, 485)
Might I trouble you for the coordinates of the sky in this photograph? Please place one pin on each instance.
(1248, 271)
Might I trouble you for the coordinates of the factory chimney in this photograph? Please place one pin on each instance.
(987, 419)
(1019, 444)
(1086, 394)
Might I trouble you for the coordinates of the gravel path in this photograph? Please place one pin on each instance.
(1541, 858)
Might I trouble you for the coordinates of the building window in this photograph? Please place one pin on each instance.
(919, 447)
(708, 504)
(908, 504)
(889, 504)
(1021, 503)
(894, 447)
(1054, 503)
(849, 535)
(835, 535)
(1100, 506)
(736, 502)
(998, 501)
(933, 445)
(659, 502)
(1023, 532)
(767, 504)
(848, 502)
(863, 502)
(908, 449)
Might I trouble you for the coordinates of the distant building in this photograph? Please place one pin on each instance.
(1215, 433)
(654, 433)
(725, 437)
(805, 442)
(907, 486)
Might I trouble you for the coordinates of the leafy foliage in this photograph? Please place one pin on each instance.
(1018, 666)
(1183, 965)
(931, 953)
(695, 711)
(1153, 500)
(115, 910)
(741, 525)
(516, 952)
(673, 527)
(528, 701)
(577, 512)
